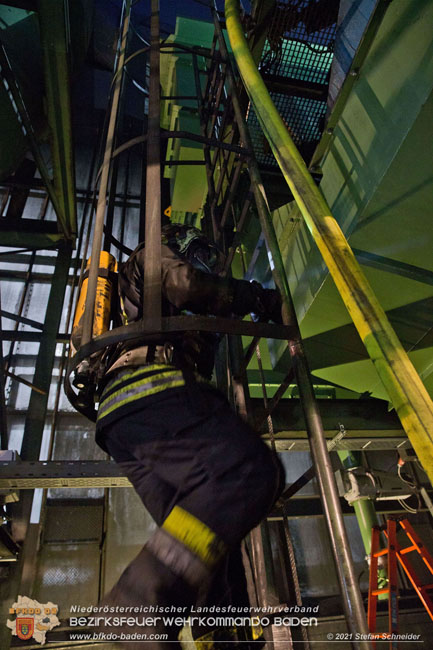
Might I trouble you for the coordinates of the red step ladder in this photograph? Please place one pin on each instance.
(394, 553)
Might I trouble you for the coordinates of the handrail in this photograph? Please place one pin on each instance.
(403, 384)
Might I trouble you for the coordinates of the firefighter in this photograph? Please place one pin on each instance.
(202, 473)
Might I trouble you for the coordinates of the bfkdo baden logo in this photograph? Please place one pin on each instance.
(33, 619)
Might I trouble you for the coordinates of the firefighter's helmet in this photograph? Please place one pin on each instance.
(191, 244)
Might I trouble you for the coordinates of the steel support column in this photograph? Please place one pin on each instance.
(55, 37)
(13, 90)
(34, 427)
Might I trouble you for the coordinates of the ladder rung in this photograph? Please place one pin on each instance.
(408, 549)
(377, 592)
(417, 545)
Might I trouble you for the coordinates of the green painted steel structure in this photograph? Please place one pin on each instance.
(397, 373)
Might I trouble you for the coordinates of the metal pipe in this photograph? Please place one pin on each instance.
(289, 547)
(366, 515)
(105, 171)
(404, 386)
(152, 260)
(352, 600)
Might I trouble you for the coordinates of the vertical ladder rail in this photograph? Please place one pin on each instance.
(395, 552)
(392, 581)
(391, 589)
(152, 259)
(372, 585)
(105, 173)
(404, 386)
(418, 546)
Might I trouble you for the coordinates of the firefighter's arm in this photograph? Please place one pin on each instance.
(202, 293)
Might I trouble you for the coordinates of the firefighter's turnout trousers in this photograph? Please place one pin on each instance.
(205, 477)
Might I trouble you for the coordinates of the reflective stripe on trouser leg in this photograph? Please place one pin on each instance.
(187, 546)
(195, 535)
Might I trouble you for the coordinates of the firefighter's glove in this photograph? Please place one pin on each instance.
(267, 304)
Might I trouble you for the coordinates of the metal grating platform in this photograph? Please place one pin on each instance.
(299, 49)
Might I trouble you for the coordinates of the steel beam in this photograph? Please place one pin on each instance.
(351, 77)
(13, 90)
(393, 266)
(34, 235)
(55, 38)
(21, 319)
(184, 135)
(34, 425)
(35, 420)
(22, 475)
(295, 87)
(311, 507)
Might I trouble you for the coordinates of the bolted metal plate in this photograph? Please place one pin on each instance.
(49, 474)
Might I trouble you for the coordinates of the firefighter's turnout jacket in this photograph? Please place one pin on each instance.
(143, 372)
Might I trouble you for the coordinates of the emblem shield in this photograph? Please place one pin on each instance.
(25, 628)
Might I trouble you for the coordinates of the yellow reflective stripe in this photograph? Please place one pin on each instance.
(139, 395)
(135, 372)
(141, 382)
(194, 534)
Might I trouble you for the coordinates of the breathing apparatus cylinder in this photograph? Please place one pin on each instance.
(103, 298)
(101, 314)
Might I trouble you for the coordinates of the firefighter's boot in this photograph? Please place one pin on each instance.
(160, 584)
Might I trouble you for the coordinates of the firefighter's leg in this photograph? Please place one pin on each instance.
(210, 464)
(172, 571)
(219, 481)
(229, 592)
(163, 582)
